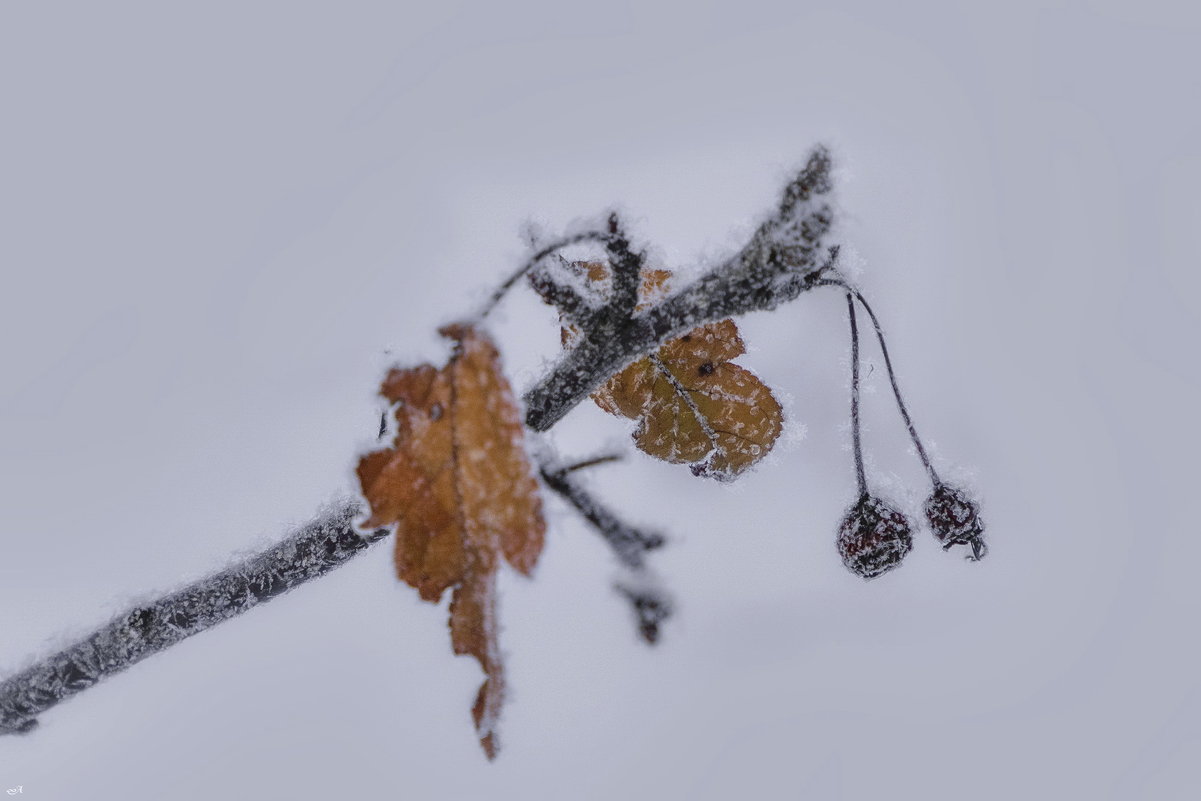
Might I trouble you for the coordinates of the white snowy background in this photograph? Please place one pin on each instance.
(220, 222)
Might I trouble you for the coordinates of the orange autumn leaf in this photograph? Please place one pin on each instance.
(459, 486)
(692, 404)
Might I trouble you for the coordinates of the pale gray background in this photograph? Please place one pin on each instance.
(220, 222)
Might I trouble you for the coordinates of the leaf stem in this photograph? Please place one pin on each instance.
(593, 461)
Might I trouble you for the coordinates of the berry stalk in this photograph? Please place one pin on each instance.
(855, 435)
(892, 377)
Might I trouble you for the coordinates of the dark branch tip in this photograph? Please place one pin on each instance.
(651, 609)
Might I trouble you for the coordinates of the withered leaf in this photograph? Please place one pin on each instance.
(692, 404)
(460, 488)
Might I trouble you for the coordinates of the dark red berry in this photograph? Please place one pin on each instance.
(955, 520)
(874, 538)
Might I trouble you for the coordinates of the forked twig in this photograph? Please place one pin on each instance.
(630, 545)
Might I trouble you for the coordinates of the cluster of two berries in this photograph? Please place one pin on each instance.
(875, 536)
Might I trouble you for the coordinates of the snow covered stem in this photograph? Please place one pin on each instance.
(328, 542)
(319, 547)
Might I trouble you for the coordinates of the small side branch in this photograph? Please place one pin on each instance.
(534, 260)
(571, 304)
(627, 269)
(315, 550)
(629, 544)
(651, 608)
(608, 319)
(649, 601)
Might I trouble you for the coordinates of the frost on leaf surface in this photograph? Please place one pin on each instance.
(693, 405)
(458, 484)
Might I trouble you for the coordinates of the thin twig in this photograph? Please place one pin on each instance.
(649, 601)
(593, 461)
(532, 261)
(572, 306)
(651, 607)
(626, 267)
(629, 544)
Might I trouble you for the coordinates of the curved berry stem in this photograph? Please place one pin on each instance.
(892, 375)
(855, 438)
(896, 391)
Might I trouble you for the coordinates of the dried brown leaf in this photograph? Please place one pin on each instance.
(692, 404)
(460, 488)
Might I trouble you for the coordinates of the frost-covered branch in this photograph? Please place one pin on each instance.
(782, 260)
(315, 550)
(319, 547)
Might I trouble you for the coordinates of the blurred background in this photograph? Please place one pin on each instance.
(220, 223)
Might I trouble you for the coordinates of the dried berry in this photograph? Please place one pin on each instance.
(955, 520)
(874, 537)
